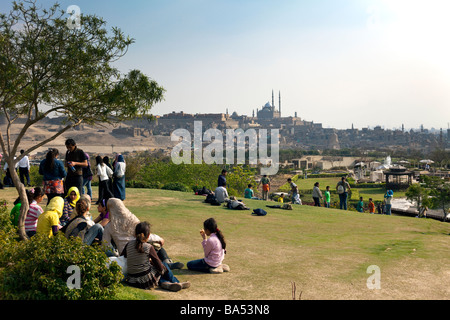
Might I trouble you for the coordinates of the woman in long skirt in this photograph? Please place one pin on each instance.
(119, 178)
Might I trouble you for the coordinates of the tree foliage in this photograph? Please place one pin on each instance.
(49, 69)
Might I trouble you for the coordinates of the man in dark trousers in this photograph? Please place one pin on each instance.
(75, 162)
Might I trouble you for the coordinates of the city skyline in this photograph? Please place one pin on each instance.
(340, 63)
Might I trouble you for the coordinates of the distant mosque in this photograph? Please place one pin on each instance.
(268, 111)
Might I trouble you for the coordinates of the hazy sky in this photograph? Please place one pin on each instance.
(336, 62)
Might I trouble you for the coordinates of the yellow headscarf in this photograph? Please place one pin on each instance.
(56, 204)
(75, 189)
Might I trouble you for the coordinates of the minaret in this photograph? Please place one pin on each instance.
(279, 101)
(273, 102)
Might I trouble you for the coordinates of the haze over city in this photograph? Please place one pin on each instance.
(339, 63)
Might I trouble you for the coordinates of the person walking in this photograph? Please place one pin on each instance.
(265, 181)
(342, 188)
(317, 194)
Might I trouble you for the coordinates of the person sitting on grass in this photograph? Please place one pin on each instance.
(70, 201)
(120, 230)
(145, 269)
(214, 249)
(281, 198)
(248, 193)
(103, 217)
(48, 221)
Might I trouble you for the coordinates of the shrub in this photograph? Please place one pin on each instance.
(176, 186)
(38, 269)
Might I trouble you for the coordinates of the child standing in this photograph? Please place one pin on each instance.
(327, 197)
(360, 205)
(145, 269)
(214, 250)
(371, 206)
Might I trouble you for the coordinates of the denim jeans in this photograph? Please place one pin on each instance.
(198, 265)
(168, 276)
(87, 184)
(96, 231)
(388, 208)
(343, 200)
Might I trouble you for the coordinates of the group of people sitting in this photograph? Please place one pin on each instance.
(123, 234)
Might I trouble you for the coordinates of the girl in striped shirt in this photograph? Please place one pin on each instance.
(35, 196)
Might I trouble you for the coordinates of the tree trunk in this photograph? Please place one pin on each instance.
(23, 199)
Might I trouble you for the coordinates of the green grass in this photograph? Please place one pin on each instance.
(326, 252)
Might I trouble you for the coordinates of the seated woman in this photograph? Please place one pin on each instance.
(70, 201)
(145, 269)
(121, 230)
(103, 218)
(48, 221)
(82, 225)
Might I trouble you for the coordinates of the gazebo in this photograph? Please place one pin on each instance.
(398, 178)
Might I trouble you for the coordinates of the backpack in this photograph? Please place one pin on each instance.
(340, 189)
(259, 212)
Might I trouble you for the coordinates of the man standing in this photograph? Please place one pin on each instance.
(24, 169)
(75, 162)
(342, 188)
(265, 181)
(222, 180)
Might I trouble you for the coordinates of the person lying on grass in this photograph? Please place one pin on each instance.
(214, 250)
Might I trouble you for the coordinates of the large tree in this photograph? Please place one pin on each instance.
(49, 68)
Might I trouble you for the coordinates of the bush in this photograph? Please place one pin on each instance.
(38, 269)
(176, 186)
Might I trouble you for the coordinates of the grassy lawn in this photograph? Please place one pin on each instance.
(326, 252)
(377, 194)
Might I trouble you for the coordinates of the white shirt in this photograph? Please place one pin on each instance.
(24, 163)
(221, 194)
(104, 172)
(119, 169)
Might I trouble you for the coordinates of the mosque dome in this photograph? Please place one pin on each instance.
(267, 105)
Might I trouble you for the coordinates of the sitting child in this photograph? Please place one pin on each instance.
(214, 250)
(144, 269)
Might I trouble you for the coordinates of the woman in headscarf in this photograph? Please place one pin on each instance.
(119, 178)
(48, 222)
(70, 202)
(121, 229)
(122, 224)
